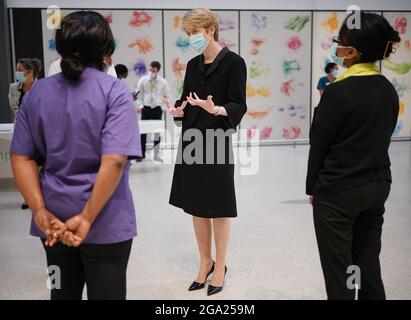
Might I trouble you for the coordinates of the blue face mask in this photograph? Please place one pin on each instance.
(336, 59)
(198, 42)
(335, 73)
(20, 77)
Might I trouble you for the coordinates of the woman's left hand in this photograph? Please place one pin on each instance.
(208, 105)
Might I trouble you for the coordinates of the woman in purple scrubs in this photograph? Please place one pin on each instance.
(83, 125)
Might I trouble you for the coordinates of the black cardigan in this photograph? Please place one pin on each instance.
(226, 81)
(351, 134)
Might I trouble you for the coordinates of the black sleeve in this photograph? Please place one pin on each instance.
(236, 106)
(329, 115)
(178, 121)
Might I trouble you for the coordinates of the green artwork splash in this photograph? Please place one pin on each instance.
(258, 70)
(290, 65)
(400, 86)
(398, 68)
(297, 23)
(179, 88)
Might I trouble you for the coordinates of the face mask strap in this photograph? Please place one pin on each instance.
(391, 47)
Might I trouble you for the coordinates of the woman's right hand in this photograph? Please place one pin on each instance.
(75, 230)
(175, 112)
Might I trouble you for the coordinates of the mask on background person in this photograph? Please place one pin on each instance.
(335, 73)
(153, 75)
(20, 77)
(198, 42)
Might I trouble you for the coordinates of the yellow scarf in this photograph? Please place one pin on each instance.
(358, 70)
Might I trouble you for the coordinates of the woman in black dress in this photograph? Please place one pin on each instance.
(210, 109)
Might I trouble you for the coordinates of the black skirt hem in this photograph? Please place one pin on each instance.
(195, 213)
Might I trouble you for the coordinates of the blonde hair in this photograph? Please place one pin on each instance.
(201, 18)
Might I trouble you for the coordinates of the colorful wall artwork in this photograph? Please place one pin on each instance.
(138, 35)
(398, 70)
(277, 50)
(280, 50)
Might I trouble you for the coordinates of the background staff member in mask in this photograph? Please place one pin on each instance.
(331, 69)
(349, 172)
(214, 99)
(152, 89)
(27, 72)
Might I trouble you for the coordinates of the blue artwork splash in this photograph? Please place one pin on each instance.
(140, 68)
(52, 45)
(398, 128)
(183, 44)
(258, 22)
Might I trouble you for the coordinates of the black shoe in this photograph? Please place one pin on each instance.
(140, 159)
(196, 285)
(214, 290)
(24, 206)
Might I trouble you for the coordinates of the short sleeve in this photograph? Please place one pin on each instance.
(236, 106)
(22, 143)
(121, 133)
(320, 84)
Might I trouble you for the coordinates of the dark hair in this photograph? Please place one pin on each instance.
(374, 40)
(122, 71)
(155, 64)
(83, 40)
(329, 67)
(31, 64)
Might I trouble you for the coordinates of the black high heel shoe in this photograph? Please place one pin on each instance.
(196, 285)
(214, 290)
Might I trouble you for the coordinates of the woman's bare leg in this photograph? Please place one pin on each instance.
(222, 236)
(203, 232)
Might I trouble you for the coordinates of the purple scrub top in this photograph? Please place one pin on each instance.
(70, 125)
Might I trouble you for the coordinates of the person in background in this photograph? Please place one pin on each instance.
(27, 72)
(349, 175)
(122, 71)
(150, 92)
(55, 67)
(331, 69)
(82, 122)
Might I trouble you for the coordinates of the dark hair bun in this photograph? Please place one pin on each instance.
(83, 40)
(72, 67)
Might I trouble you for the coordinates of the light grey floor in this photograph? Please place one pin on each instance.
(273, 253)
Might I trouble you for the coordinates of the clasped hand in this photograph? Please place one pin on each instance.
(71, 233)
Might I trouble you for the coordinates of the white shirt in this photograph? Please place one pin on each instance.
(150, 92)
(55, 68)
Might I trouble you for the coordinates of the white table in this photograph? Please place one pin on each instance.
(6, 134)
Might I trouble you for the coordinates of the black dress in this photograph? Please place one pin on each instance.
(205, 187)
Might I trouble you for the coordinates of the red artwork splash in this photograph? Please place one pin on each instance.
(140, 18)
(251, 132)
(226, 43)
(109, 18)
(407, 45)
(287, 87)
(266, 133)
(400, 24)
(291, 133)
(294, 43)
(256, 43)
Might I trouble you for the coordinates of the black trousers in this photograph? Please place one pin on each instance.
(151, 114)
(102, 267)
(348, 227)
